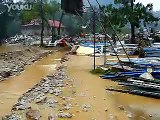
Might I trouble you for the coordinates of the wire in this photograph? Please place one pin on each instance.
(113, 30)
(107, 36)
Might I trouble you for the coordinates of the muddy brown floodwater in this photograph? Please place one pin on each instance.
(13, 87)
(90, 89)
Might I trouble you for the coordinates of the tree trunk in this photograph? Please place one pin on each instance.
(53, 30)
(132, 34)
(42, 30)
(42, 26)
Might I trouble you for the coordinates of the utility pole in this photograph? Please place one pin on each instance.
(132, 25)
(94, 35)
(104, 49)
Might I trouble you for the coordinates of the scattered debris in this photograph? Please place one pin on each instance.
(85, 107)
(12, 116)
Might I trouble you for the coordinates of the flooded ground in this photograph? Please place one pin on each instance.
(93, 88)
(89, 89)
(13, 87)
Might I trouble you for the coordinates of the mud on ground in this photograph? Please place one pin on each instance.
(13, 63)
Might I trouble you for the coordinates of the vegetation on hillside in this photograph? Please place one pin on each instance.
(121, 13)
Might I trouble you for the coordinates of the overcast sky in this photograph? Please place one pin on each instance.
(156, 3)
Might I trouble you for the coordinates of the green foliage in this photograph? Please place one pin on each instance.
(13, 28)
(99, 71)
(49, 8)
(121, 14)
(5, 20)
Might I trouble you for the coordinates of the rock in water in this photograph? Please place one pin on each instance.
(65, 115)
(33, 115)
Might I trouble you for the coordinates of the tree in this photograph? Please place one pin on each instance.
(51, 9)
(126, 11)
(43, 10)
(5, 19)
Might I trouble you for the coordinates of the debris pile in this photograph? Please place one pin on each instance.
(13, 63)
(142, 80)
(24, 39)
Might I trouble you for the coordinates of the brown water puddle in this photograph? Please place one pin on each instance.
(12, 88)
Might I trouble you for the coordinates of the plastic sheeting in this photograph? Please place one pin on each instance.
(85, 50)
(147, 76)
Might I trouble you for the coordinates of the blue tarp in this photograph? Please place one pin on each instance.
(91, 44)
(151, 49)
(155, 74)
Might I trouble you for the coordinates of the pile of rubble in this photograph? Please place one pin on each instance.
(13, 63)
(22, 39)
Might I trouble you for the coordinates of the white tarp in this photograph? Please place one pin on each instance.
(147, 76)
(85, 50)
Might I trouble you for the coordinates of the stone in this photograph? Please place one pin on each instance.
(5, 74)
(33, 114)
(51, 102)
(21, 106)
(85, 107)
(57, 92)
(121, 107)
(11, 117)
(65, 115)
(129, 115)
(106, 109)
(51, 117)
(40, 99)
(63, 98)
(68, 106)
(51, 91)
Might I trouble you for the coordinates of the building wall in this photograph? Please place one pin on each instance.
(36, 30)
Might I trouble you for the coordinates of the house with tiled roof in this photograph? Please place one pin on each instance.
(34, 27)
